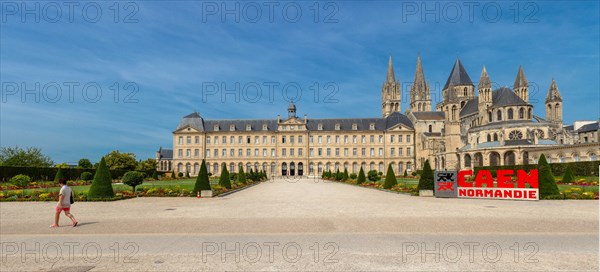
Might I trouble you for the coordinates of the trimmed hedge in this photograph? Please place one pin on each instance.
(581, 168)
(48, 173)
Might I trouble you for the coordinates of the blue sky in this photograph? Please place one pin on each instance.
(175, 52)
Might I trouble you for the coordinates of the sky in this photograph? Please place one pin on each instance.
(80, 80)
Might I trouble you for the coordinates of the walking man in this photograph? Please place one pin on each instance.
(64, 203)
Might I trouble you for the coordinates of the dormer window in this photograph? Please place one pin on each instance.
(248, 127)
(265, 127)
(216, 128)
(320, 126)
(232, 128)
(354, 127)
(372, 126)
(291, 127)
(337, 126)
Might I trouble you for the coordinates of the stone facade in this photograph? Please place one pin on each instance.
(494, 127)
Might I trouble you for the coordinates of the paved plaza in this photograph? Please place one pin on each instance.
(303, 224)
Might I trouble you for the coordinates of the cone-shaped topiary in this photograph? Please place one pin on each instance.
(338, 175)
(224, 178)
(241, 175)
(405, 173)
(345, 175)
(361, 176)
(173, 175)
(59, 175)
(390, 178)
(426, 180)
(202, 182)
(102, 184)
(568, 177)
(546, 180)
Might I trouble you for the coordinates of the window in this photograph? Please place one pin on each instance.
(272, 152)
(224, 140)
(216, 127)
(408, 151)
(354, 139)
(392, 151)
(265, 127)
(216, 152)
(408, 138)
(399, 151)
(372, 152)
(354, 127)
(188, 152)
(392, 137)
(240, 141)
(291, 139)
(232, 152)
(380, 151)
(372, 126)
(299, 139)
(337, 126)
(216, 140)
(232, 139)
(337, 139)
(197, 140)
(224, 153)
(248, 127)
(311, 152)
(328, 139)
(272, 139)
(299, 152)
(207, 153)
(264, 139)
(231, 127)
(328, 152)
(354, 151)
(521, 113)
(372, 139)
(180, 153)
(499, 115)
(489, 116)
(399, 138)
(256, 140)
(430, 128)
(320, 139)
(181, 140)
(283, 139)
(256, 152)
(363, 151)
(248, 152)
(337, 152)
(248, 139)
(320, 126)
(510, 114)
(380, 139)
(240, 152)
(264, 152)
(364, 139)
(346, 152)
(291, 152)
(311, 139)
(283, 152)
(196, 152)
(320, 152)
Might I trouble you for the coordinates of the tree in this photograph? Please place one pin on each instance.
(202, 182)
(120, 161)
(224, 178)
(241, 175)
(59, 175)
(155, 175)
(390, 178)
(568, 176)
(405, 173)
(62, 165)
(102, 184)
(345, 175)
(146, 165)
(426, 180)
(338, 175)
(30, 157)
(546, 180)
(361, 176)
(86, 176)
(133, 179)
(84, 163)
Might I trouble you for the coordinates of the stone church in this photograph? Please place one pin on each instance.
(469, 127)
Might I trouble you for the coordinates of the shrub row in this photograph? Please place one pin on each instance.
(48, 173)
(582, 168)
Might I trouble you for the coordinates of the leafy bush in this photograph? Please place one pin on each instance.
(21, 181)
(426, 180)
(102, 185)
(353, 176)
(133, 179)
(155, 175)
(361, 176)
(86, 176)
(373, 175)
(405, 173)
(390, 178)
(414, 173)
(180, 175)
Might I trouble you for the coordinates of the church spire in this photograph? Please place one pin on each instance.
(419, 76)
(484, 79)
(419, 91)
(390, 71)
(553, 93)
(521, 80)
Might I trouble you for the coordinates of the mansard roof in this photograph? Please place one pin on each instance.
(328, 124)
(192, 120)
(458, 76)
(588, 127)
(429, 115)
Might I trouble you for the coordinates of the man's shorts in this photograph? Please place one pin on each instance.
(62, 209)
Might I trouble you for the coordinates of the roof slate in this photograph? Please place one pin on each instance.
(429, 115)
(458, 76)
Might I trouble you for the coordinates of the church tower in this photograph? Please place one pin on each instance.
(521, 87)
(484, 97)
(420, 99)
(554, 105)
(390, 93)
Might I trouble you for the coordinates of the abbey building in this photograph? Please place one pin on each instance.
(472, 125)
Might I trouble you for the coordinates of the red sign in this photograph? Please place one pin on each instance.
(525, 187)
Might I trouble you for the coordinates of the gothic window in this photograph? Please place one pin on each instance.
(540, 133)
(515, 135)
(489, 138)
(521, 113)
(489, 116)
(465, 92)
(499, 115)
(430, 129)
(510, 114)
(453, 112)
(462, 104)
(495, 137)
(529, 114)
